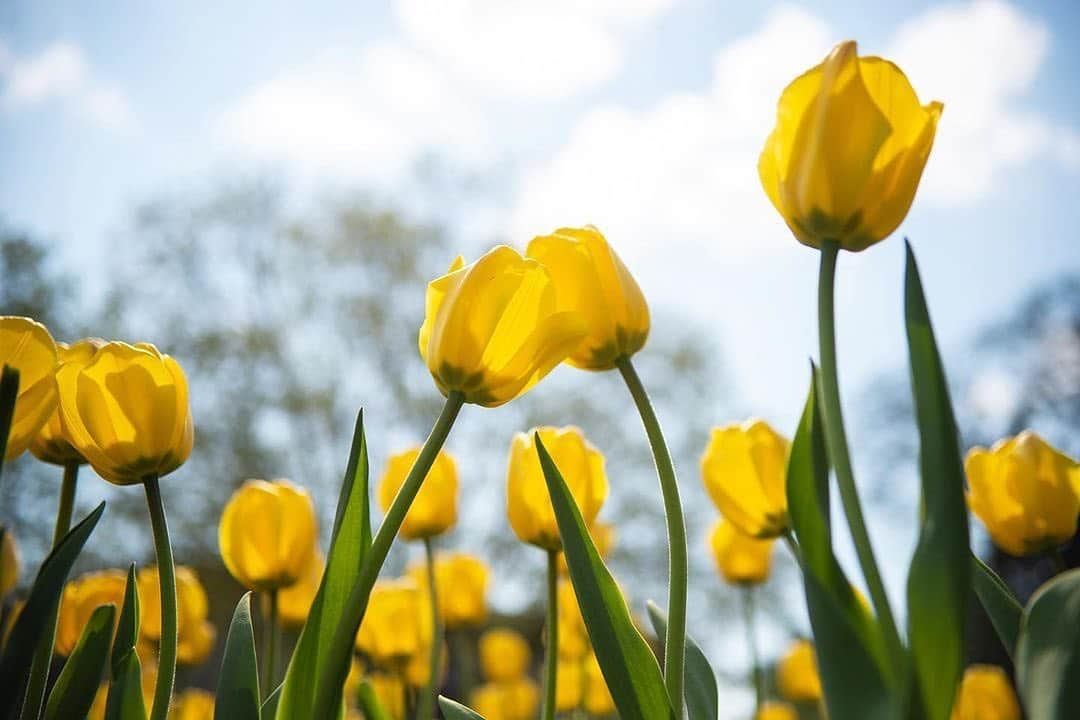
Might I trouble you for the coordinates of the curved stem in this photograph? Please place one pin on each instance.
(675, 642)
(167, 586)
(271, 639)
(751, 643)
(427, 698)
(836, 441)
(551, 660)
(339, 651)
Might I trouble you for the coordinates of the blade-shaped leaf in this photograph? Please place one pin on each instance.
(75, 688)
(348, 546)
(1048, 651)
(1000, 604)
(626, 661)
(849, 645)
(238, 682)
(454, 711)
(269, 706)
(127, 628)
(36, 613)
(9, 391)
(125, 700)
(702, 702)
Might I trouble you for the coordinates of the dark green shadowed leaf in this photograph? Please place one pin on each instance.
(348, 546)
(75, 688)
(1000, 604)
(269, 706)
(455, 711)
(628, 664)
(127, 628)
(36, 613)
(238, 682)
(125, 701)
(702, 702)
(1048, 651)
(9, 391)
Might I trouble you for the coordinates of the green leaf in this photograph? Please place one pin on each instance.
(1048, 651)
(626, 661)
(700, 691)
(75, 688)
(1000, 604)
(849, 644)
(939, 579)
(348, 546)
(9, 392)
(372, 708)
(454, 711)
(238, 682)
(36, 614)
(269, 706)
(125, 701)
(127, 628)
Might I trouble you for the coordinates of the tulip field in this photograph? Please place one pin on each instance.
(841, 167)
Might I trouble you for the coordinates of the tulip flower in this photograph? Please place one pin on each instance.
(573, 635)
(462, 582)
(493, 329)
(776, 711)
(434, 510)
(1022, 490)
(593, 282)
(80, 598)
(848, 150)
(745, 469)
(27, 346)
(50, 444)
(391, 631)
(598, 700)
(9, 561)
(740, 558)
(504, 655)
(515, 699)
(196, 634)
(571, 685)
(985, 694)
(294, 601)
(390, 692)
(797, 674)
(193, 704)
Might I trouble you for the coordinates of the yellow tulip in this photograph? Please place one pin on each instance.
(745, 468)
(1022, 491)
(267, 534)
(434, 511)
(390, 692)
(773, 710)
(593, 281)
(461, 581)
(528, 504)
(196, 634)
(27, 346)
(516, 699)
(9, 561)
(573, 635)
(294, 602)
(603, 537)
(487, 701)
(598, 700)
(797, 674)
(391, 632)
(80, 598)
(570, 684)
(50, 444)
(985, 694)
(127, 412)
(740, 558)
(848, 150)
(193, 704)
(504, 655)
(493, 329)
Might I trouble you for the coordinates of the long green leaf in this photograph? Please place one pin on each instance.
(127, 628)
(702, 701)
(348, 546)
(9, 392)
(1000, 604)
(34, 618)
(269, 706)
(75, 688)
(626, 661)
(1048, 651)
(238, 695)
(939, 579)
(125, 700)
(454, 711)
(849, 645)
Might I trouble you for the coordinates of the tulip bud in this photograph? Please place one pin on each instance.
(773, 710)
(493, 329)
(267, 534)
(528, 504)
(294, 602)
(504, 655)
(985, 692)
(797, 674)
(461, 581)
(740, 558)
(434, 510)
(390, 633)
(193, 704)
(1022, 490)
(50, 445)
(9, 561)
(592, 281)
(127, 412)
(80, 598)
(27, 346)
(848, 150)
(745, 469)
(598, 700)
(195, 634)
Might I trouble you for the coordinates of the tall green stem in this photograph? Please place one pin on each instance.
(67, 502)
(339, 651)
(751, 644)
(427, 698)
(271, 638)
(167, 586)
(675, 642)
(551, 660)
(836, 440)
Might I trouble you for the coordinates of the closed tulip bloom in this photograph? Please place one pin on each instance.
(127, 412)
(598, 700)
(593, 281)
(570, 685)
(391, 632)
(9, 561)
(193, 704)
(528, 504)
(27, 346)
(797, 674)
(50, 444)
(773, 710)
(196, 634)
(294, 602)
(267, 534)
(1022, 490)
(985, 694)
(504, 655)
(745, 469)
(848, 150)
(462, 581)
(434, 511)
(740, 558)
(493, 329)
(80, 598)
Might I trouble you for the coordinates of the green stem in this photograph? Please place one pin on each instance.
(67, 501)
(167, 585)
(751, 643)
(675, 642)
(427, 698)
(271, 639)
(836, 441)
(339, 651)
(551, 660)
